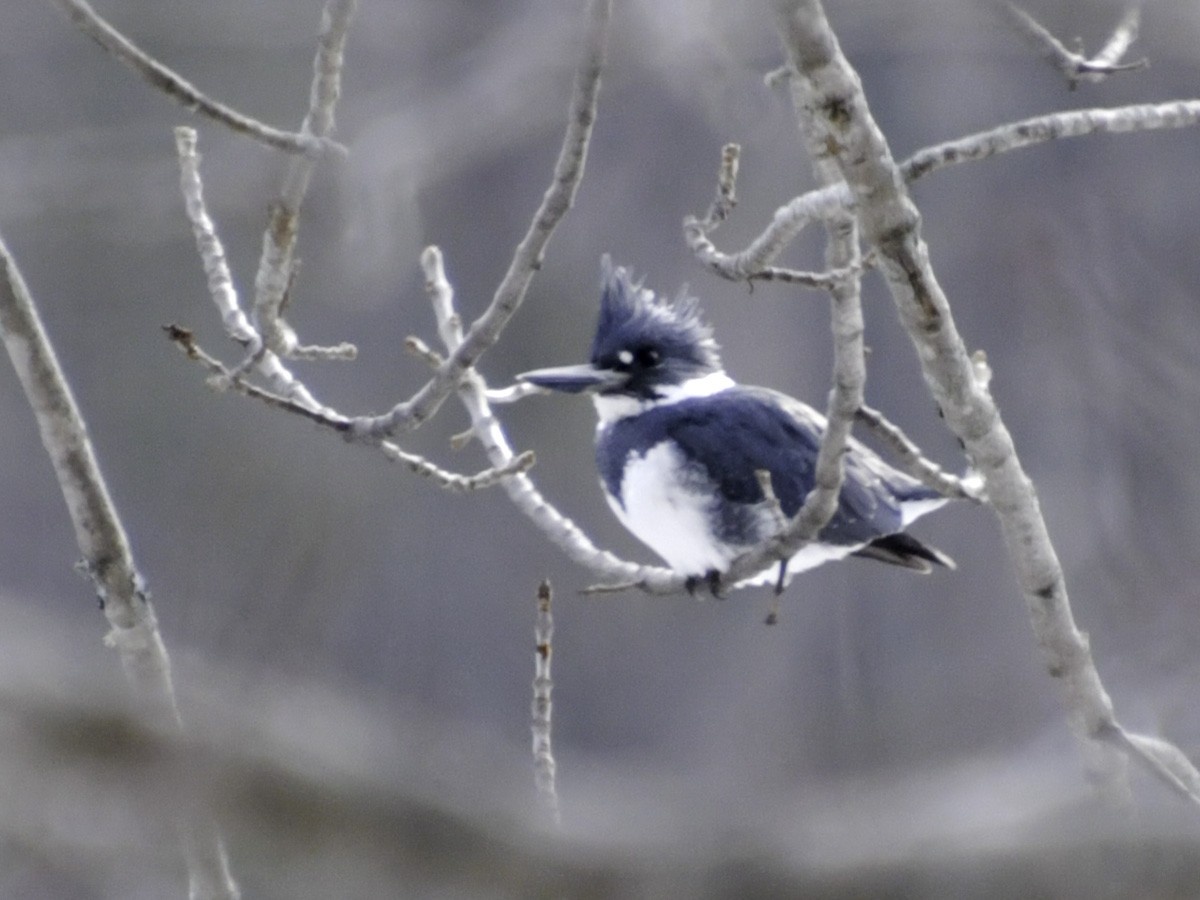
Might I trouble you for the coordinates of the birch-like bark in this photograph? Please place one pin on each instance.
(849, 363)
(890, 222)
(107, 558)
(544, 767)
(276, 265)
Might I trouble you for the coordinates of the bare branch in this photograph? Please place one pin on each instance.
(335, 352)
(726, 198)
(544, 767)
(825, 204)
(225, 379)
(1160, 758)
(107, 557)
(514, 392)
(1037, 130)
(1074, 65)
(1122, 39)
(175, 86)
(221, 287)
(916, 463)
(422, 350)
(212, 251)
(771, 499)
(277, 264)
(775, 509)
(816, 281)
(453, 481)
(485, 428)
(891, 223)
(849, 363)
(558, 200)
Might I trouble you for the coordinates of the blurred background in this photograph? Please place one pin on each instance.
(354, 642)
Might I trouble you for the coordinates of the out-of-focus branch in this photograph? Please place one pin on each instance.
(276, 268)
(107, 557)
(1073, 64)
(175, 86)
(891, 223)
(559, 198)
(544, 767)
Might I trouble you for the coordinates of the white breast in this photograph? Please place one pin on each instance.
(668, 513)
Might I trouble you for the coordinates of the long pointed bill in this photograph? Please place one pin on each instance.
(584, 379)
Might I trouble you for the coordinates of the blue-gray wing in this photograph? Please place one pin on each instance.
(739, 431)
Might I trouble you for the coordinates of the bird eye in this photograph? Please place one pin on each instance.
(647, 357)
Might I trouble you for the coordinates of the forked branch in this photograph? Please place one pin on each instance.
(891, 223)
(1072, 63)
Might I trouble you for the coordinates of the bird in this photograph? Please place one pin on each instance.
(679, 443)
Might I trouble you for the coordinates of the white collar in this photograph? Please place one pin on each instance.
(613, 407)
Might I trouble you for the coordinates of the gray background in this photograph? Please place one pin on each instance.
(280, 556)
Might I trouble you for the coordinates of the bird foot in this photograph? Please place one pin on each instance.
(710, 579)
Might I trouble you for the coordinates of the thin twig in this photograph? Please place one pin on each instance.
(544, 767)
(423, 351)
(826, 204)
(1122, 38)
(277, 263)
(521, 490)
(558, 200)
(817, 281)
(1074, 65)
(914, 462)
(225, 379)
(107, 557)
(178, 88)
(212, 251)
(222, 290)
(514, 392)
(726, 198)
(334, 352)
(1160, 758)
(775, 509)
(771, 499)
(849, 362)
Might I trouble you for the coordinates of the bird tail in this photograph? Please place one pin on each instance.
(905, 550)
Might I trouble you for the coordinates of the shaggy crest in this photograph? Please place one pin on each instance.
(633, 317)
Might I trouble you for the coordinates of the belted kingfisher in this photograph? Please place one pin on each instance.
(678, 444)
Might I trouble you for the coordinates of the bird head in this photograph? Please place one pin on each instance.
(644, 347)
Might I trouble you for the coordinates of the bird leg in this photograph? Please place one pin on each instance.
(776, 601)
(779, 582)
